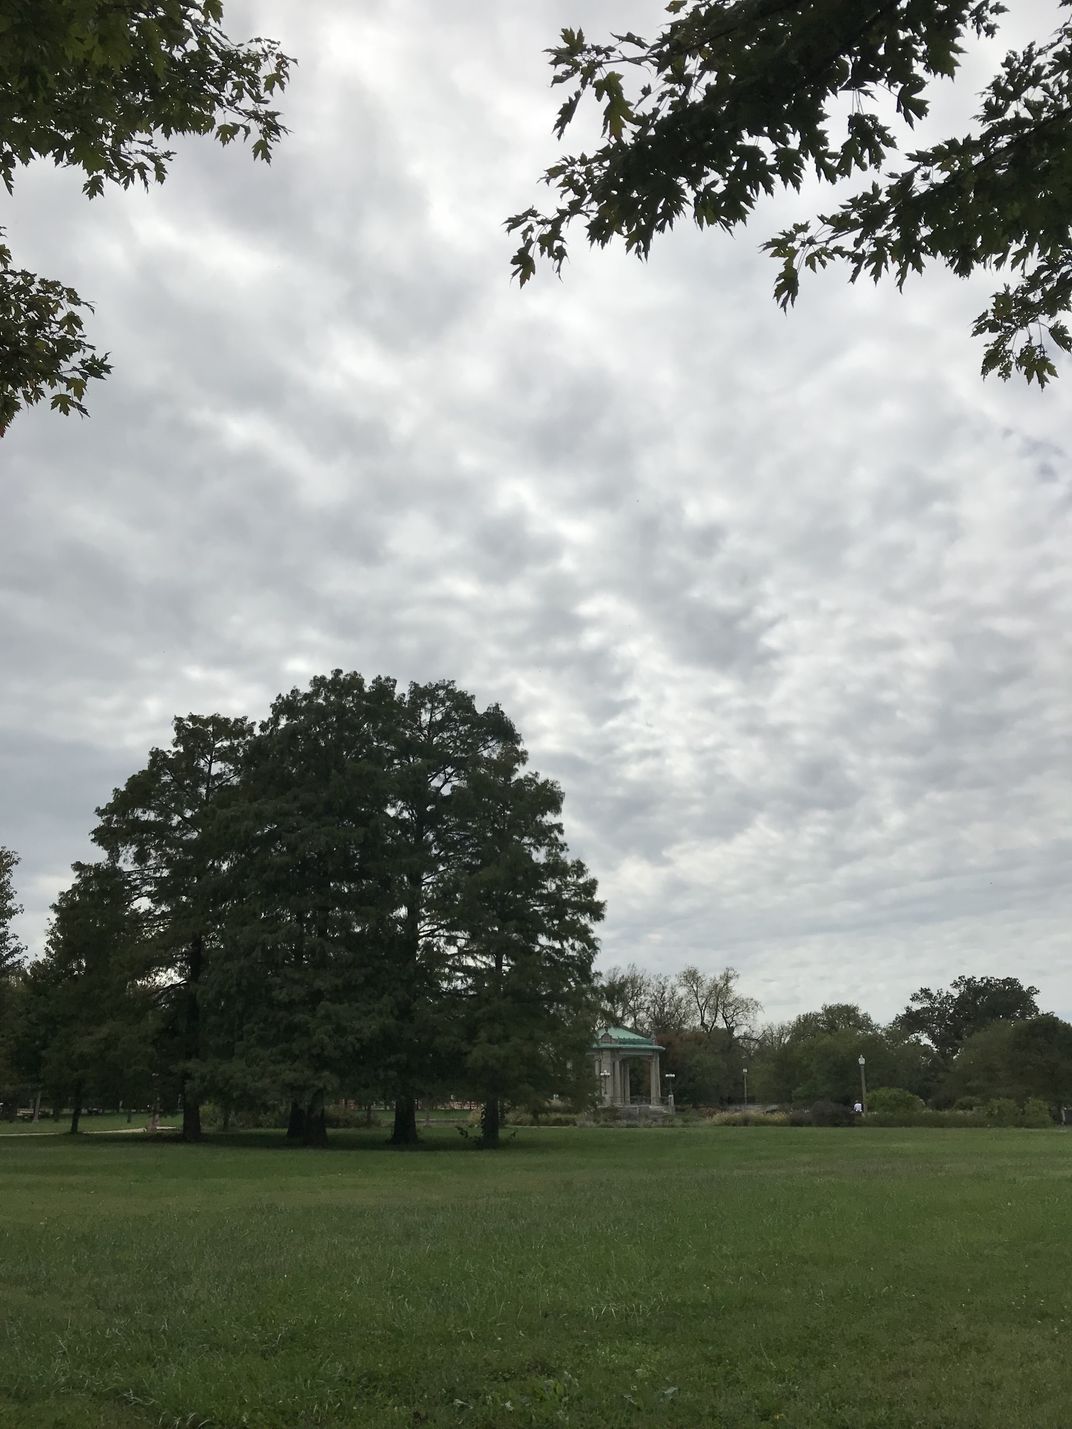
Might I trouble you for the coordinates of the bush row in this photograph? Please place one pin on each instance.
(883, 1112)
(1001, 1111)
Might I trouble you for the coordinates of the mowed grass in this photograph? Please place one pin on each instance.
(675, 1277)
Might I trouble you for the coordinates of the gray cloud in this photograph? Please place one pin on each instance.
(783, 603)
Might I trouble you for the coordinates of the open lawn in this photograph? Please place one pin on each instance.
(680, 1277)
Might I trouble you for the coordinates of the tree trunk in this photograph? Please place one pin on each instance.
(226, 1122)
(37, 1105)
(296, 1124)
(489, 1123)
(191, 1042)
(191, 1119)
(405, 1131)
(316, 1127)
(76, 1109)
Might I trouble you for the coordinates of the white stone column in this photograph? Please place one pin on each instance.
(624, 1080)
(655, 1085)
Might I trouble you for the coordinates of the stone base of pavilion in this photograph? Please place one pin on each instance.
(644, 1113)
(639, 1115)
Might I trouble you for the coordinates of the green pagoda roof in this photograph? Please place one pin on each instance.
(624, 1037)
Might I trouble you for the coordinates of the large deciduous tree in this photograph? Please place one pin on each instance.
(304, 987)
(445, 742)
(1017, 1059)
(105, 86)
(946, 1017)
(163, 829)
(391, 879)
(716, 1002)
(734, 99)
(369, 894)
(524, 940)
(624, 998)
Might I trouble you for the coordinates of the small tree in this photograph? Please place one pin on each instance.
(11, 956)
(89, 1012)
(12, 950)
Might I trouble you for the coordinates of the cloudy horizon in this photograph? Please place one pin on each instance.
(782, 602)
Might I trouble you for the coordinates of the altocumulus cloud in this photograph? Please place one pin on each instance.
(784, 603)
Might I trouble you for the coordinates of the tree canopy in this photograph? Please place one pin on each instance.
(735, 99)
(946, 1017)
(367, 895)
(89, 1005)
(105, 87)
(1030, 1057)
(703, 1020)
(11, 955)
(159, 829)
(11, 949)
(816, 1057)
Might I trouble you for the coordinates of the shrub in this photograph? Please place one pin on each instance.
(893, 1099)
(747, 1118)
(1002, 1111)
(824, 1113)
(242, 1118)
(925, 1117)
(342, 1118)
(554, 1112)
(1036, 1112)
(521, 1117)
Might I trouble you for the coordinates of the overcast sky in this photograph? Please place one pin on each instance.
(784, 603)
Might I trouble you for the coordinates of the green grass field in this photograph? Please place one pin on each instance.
(679, 1277)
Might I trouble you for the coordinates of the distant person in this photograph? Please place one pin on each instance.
(858, 1108)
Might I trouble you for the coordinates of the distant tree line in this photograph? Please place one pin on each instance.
(368, 896)
(981, 1039)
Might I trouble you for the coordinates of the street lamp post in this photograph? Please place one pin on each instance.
(745, 1071)
(670, 1088)
(863, 1083)
(604, 1074)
